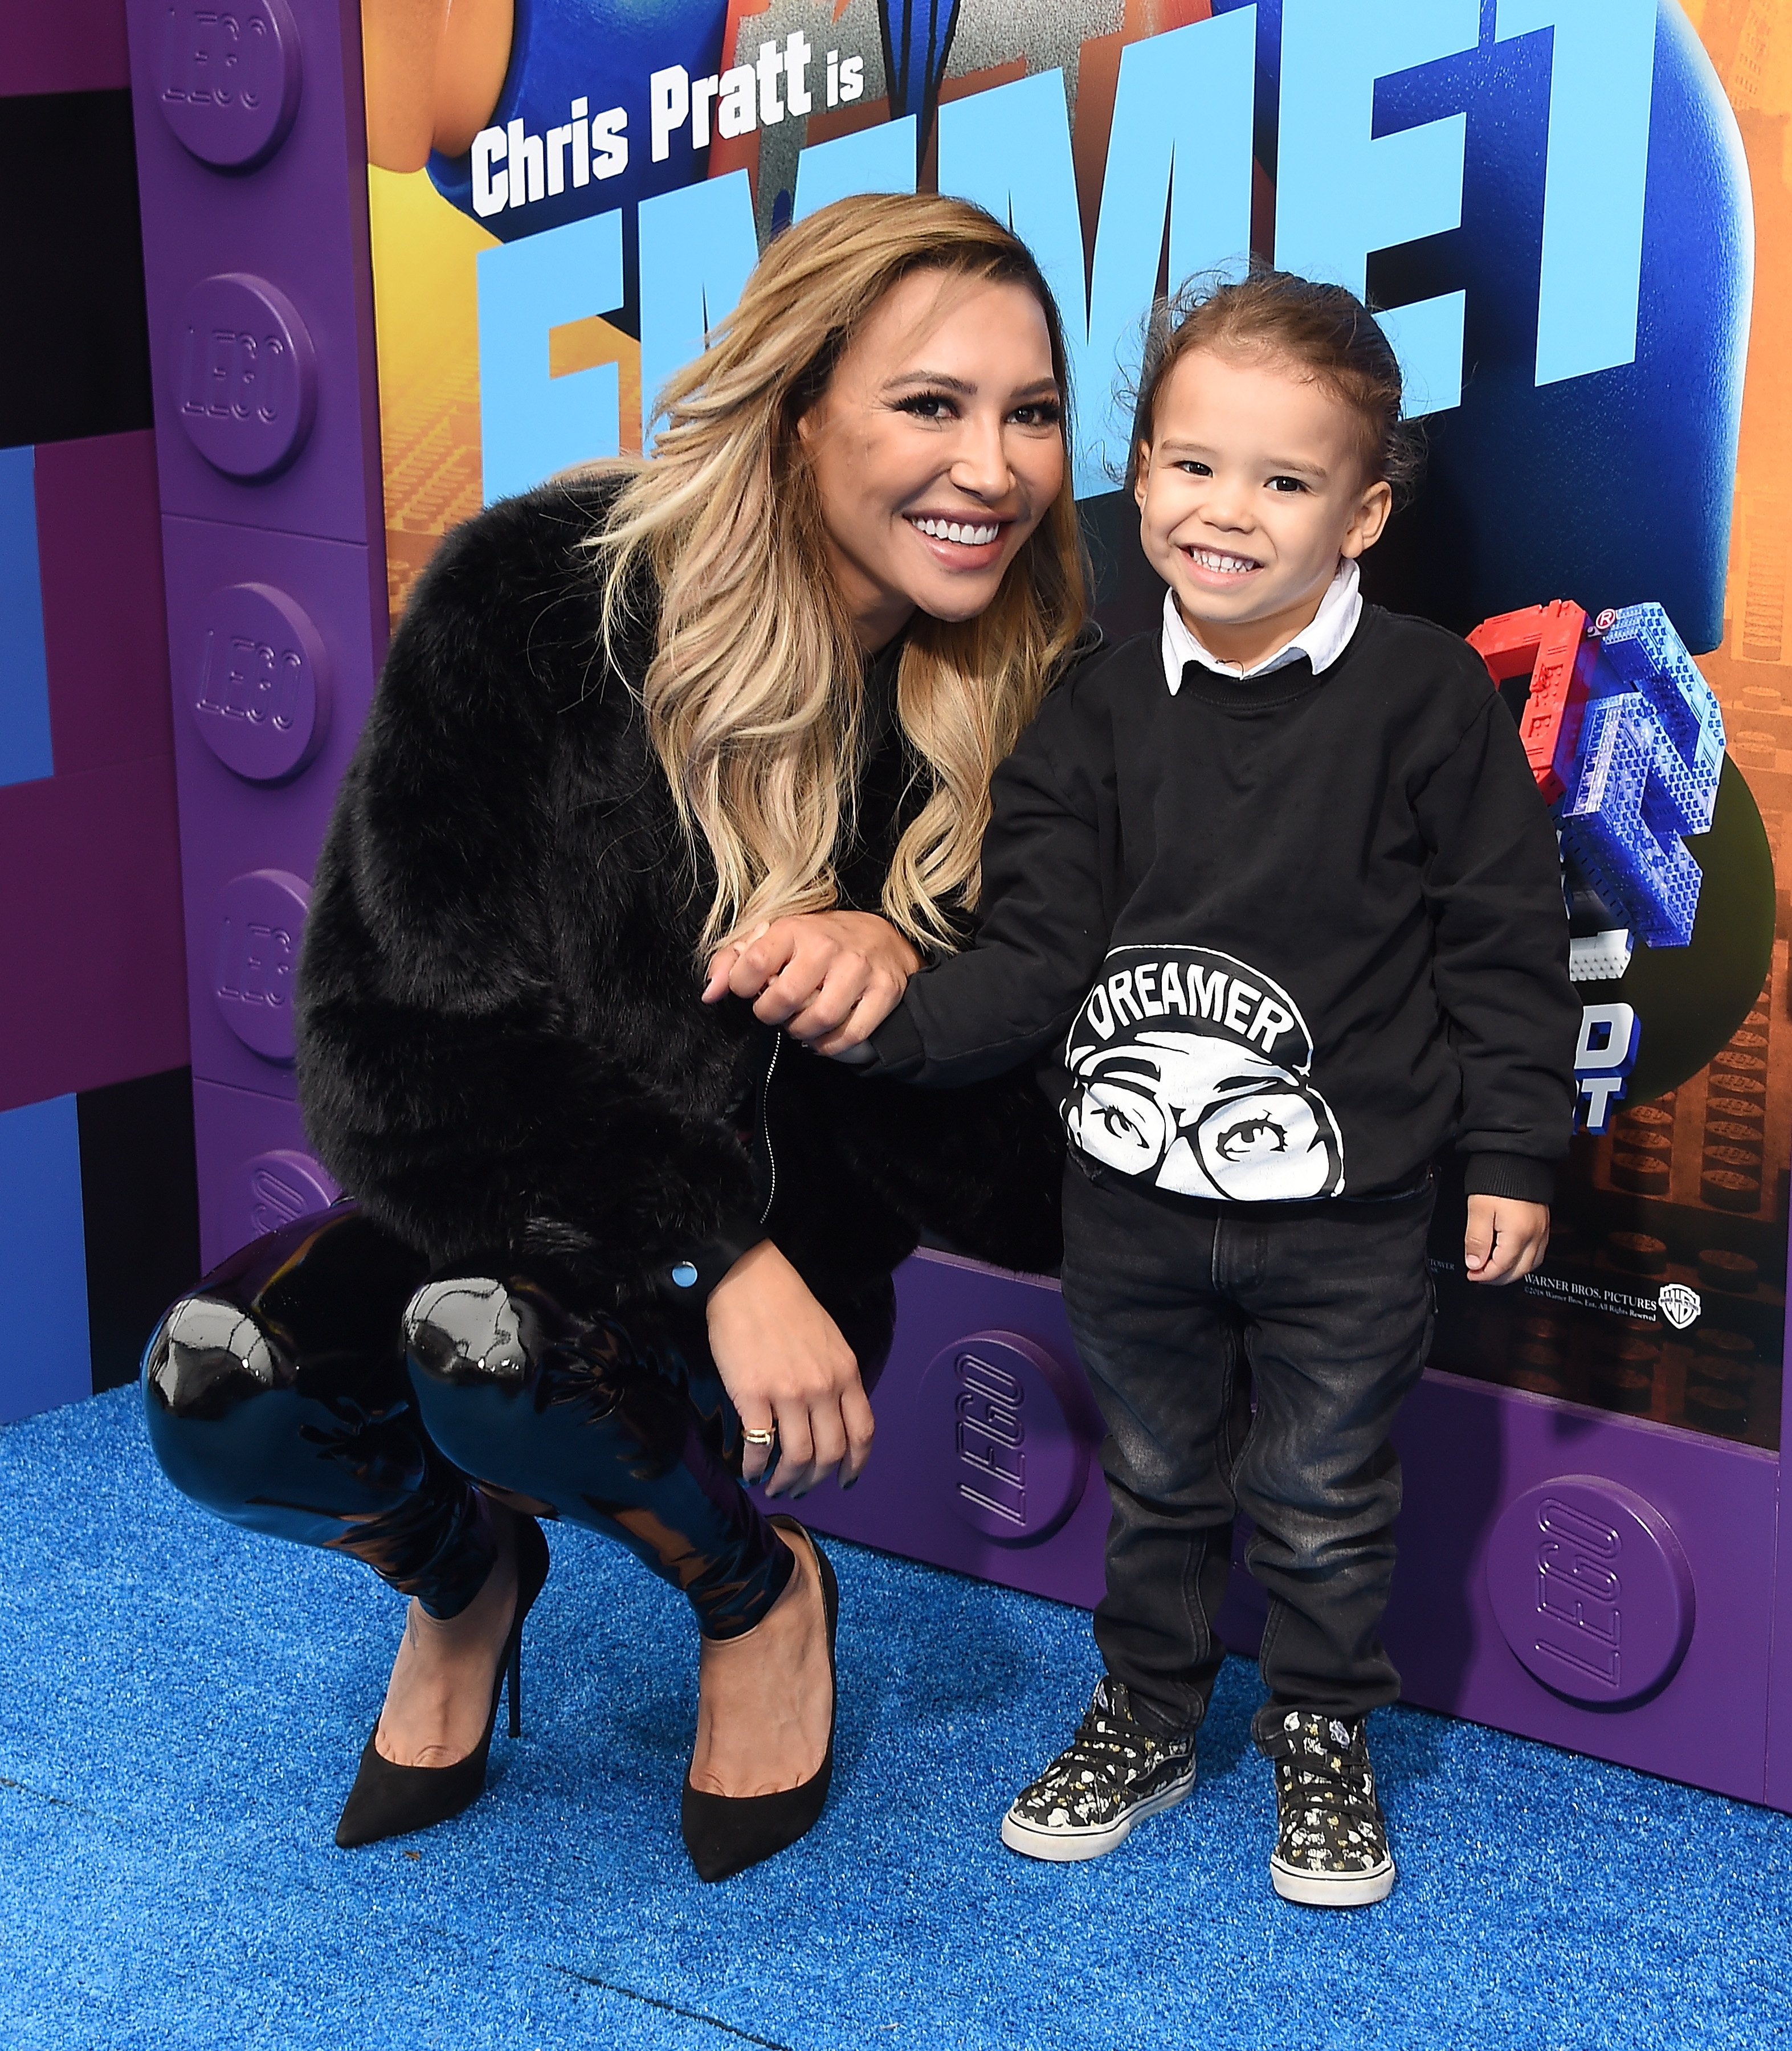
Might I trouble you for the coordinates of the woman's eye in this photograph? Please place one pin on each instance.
(1041, 413)
(926, 406)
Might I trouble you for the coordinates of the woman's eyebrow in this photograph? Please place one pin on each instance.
(940, 381)
(936, 380)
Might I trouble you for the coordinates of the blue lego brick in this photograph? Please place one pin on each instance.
(1622, 818)
(24, 709)
(43, 1259)
(1645, 777)
(1648, 656)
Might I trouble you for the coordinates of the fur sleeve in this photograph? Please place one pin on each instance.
(450, 1076)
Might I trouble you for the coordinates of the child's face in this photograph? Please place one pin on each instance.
(1252, 489)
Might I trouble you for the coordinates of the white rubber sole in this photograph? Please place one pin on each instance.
(1317, 1890)
(1063, 1846)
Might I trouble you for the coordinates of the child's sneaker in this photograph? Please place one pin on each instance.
(1332, 1838)
(1116, 1773)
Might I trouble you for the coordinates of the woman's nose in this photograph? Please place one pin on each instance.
(980, 462)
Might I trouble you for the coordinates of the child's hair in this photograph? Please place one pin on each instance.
(1323, 331)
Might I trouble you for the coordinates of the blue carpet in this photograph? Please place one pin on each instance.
(182, 1705)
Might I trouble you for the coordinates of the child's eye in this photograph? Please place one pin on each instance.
(1287, 484)
(1190, 467)
(927, 406)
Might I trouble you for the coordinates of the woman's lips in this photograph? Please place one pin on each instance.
(959, 544)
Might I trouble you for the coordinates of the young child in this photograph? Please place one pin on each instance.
(1276, 883)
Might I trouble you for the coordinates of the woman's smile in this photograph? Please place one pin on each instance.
(961, 542)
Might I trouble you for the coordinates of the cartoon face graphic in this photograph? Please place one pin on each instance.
(1192, 1107)
(1205, 1119)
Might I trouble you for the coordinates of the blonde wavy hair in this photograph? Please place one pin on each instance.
(753, 698)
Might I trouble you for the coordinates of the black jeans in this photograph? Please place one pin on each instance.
(1323, 1310)
(320, 1387)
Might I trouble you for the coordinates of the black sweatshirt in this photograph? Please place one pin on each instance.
(1287, 937)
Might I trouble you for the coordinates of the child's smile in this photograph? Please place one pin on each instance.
(1253, 488)
(1218, 563)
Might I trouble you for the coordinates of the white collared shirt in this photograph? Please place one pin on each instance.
(1322, 641)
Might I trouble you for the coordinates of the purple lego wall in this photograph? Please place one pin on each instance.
(63, 46)
(97, 1208)
(100, 923)
(260, 323)
(1603, 1583)
(966, 1420)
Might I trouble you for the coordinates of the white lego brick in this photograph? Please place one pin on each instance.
(1600, 957)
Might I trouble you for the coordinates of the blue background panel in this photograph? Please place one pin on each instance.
(25, 719)
(43, 1259)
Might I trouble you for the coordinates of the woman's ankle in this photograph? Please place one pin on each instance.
(754, 1733)
(803, 1578)
(445, 1667)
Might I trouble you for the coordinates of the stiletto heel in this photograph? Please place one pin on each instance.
(726, 1834)
(389, 1801)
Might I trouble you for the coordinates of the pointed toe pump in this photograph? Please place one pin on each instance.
(390, 1801)
(727, 1834)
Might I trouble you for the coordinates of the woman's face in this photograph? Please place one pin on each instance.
(937, 448)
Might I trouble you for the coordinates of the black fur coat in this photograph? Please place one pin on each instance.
(502, 1050)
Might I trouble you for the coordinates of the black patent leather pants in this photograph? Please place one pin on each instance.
(322, 1386)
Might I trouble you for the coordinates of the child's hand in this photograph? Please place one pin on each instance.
(1505, 1238)
(829, 979)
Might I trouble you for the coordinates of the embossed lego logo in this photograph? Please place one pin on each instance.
(255, 963)
(250, 682)
(222, 58)
(1680, 1305)
(276, 1200)
(990, 1436)
(232, 375)
(1578, 1588)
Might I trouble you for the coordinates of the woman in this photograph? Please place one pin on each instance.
(606, 1233)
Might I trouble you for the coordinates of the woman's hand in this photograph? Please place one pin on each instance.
(829, 979)
(786, 1368)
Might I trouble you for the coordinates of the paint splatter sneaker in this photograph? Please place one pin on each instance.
(1332, 1838)
(1115, 1772)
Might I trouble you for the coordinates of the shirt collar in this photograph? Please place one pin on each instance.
(1322, 641)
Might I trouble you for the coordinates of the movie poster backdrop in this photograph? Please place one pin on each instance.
(1575, 217)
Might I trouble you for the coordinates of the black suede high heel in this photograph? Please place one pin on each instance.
(389, 1801)
(726, 1834)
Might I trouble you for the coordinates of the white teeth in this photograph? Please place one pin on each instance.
(955, 530)
(1211, 559)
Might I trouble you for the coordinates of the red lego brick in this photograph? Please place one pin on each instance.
(1551, 642)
